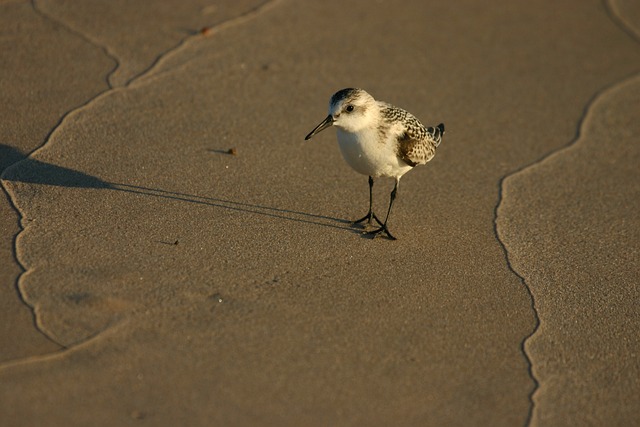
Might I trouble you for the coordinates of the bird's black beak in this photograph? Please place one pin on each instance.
(322, 126)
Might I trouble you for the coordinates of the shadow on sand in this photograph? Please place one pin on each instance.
(35, 172)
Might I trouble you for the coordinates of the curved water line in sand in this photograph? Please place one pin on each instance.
(79, 109)
(631, 27)
(518, 269)
(86, 37)
(521, 268)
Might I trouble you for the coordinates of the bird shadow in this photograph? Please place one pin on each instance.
(33, 171)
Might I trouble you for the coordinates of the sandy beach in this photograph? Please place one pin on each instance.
(173, 252)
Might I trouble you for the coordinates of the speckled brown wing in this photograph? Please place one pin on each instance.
(416, 146)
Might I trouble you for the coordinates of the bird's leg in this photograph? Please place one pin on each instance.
(369, 217)
(383, 228)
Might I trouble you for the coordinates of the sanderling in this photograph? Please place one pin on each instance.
(379, 140)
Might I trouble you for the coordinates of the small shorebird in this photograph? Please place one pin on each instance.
(379, 140)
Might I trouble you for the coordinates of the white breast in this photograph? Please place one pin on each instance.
(365, 153)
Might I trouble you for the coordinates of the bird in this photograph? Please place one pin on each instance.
(379, 140)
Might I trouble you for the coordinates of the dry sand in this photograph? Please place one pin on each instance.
(165, 281)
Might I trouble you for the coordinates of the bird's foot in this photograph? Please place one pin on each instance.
(379, 231)
(369, 218)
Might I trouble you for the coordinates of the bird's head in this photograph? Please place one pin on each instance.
(350, 110)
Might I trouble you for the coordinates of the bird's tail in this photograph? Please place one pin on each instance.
(437, 133)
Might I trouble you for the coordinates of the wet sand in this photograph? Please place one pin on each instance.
(157, 278)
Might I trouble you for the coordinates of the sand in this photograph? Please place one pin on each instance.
(152, 277)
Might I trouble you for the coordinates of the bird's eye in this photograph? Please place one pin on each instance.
(349, 108)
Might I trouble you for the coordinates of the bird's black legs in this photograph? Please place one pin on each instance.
(383, 228)
(369, 217)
